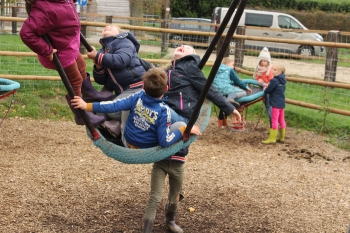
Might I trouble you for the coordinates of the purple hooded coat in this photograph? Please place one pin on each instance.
(60, 21)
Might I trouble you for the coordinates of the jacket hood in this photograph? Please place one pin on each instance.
(282, 79)
(128, 35)
(223, 68)
(190, 57)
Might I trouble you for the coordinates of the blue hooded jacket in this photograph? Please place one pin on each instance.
(121, 66)
(149, 122)
(276, 90)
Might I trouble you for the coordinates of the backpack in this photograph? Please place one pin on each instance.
(146, 65)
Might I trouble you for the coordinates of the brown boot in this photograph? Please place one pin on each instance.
(147, 226)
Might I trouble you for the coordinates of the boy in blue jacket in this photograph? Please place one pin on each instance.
(149, 122)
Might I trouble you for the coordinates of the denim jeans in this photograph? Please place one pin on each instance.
(236, 95)
(175, 117)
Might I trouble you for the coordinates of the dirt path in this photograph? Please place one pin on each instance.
(52, 179)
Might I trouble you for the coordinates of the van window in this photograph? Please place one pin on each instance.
(205, 28)
(191, 25)
(287, 22)
(258, 20)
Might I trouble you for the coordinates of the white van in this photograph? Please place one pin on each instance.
(275, 20)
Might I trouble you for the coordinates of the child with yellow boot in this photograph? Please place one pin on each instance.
(276, 89)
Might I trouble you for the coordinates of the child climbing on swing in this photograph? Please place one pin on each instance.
(149, 122)
(59, 20)
(229, 84)
(276, 89)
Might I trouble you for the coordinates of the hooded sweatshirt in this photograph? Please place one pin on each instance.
(60, 21)
(227, 81)
(186, 78)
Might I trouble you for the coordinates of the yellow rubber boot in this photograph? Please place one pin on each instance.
(272, 137)
(282, 134)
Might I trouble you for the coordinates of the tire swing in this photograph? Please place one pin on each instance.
(7, 88)
(200, 115)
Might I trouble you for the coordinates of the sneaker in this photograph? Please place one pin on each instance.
(234, 103)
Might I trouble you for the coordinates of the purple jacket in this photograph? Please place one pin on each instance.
(60, 21)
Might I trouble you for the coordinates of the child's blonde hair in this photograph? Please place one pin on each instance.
(227, 60)
(280, 68)
(119, 29)
(166, 67)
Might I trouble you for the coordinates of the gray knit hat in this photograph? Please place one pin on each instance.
(265, 55)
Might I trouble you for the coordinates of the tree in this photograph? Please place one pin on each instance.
(153, 7)
(136, 10)
(196, 8)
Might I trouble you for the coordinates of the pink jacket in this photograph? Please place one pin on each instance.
(60, 21)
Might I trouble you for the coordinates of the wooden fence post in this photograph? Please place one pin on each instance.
(330, 72)
(165, 36)
(218, 47)
(239, 47)
(14, 24)
(109, 18)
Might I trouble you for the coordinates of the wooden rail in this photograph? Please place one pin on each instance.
(307, 80)
(211, 34)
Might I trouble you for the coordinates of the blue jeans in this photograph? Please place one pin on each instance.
(175, 117)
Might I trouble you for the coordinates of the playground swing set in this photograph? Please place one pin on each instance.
(200, 115)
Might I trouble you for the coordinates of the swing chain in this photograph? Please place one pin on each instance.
(9, 108)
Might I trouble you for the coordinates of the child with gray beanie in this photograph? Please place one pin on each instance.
(262, 72)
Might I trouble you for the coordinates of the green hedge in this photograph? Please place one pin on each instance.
(330, 6)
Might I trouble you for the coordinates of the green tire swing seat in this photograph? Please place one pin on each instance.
(149, 155)
(7, 88)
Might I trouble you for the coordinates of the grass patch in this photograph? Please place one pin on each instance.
(46, 99)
